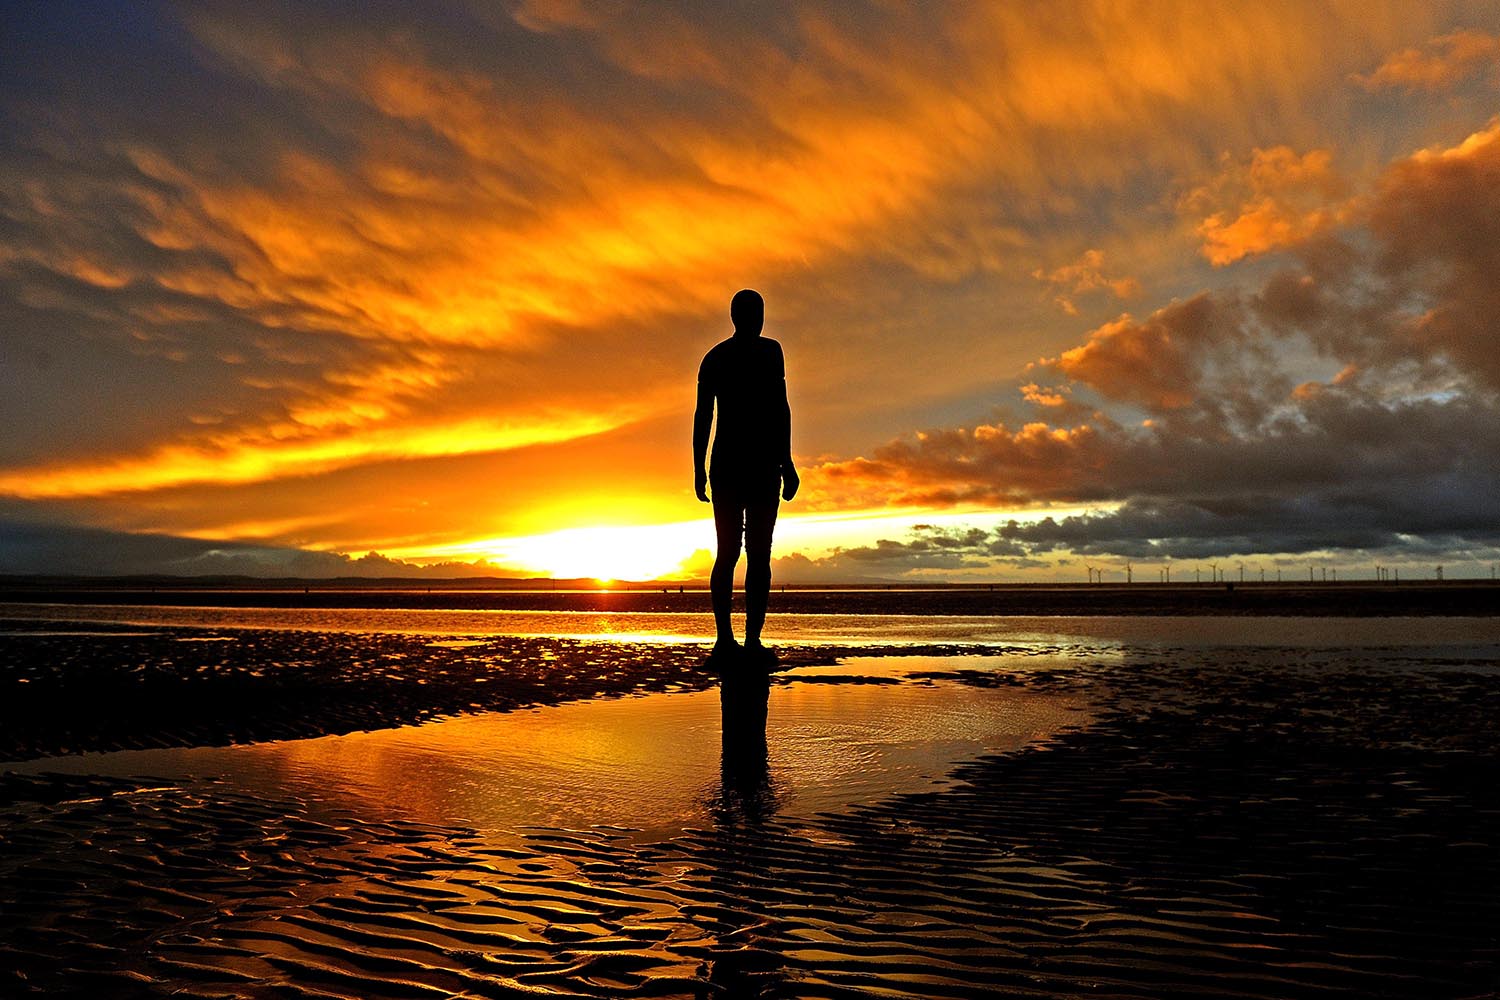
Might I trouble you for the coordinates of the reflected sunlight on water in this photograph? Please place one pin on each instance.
(654, 763)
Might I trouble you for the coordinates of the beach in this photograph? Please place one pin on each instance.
(393, 803)
(1086, 415)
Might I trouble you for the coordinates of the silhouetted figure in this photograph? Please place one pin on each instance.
(745, 378)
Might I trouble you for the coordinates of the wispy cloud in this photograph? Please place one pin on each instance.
(1086, 274)
(1442, 63)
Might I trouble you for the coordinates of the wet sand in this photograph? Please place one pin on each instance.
(66, 688)
(1245, 823)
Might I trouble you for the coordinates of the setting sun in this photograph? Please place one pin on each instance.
(603, 553)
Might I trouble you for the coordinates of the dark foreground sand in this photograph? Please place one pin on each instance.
(1309, 827)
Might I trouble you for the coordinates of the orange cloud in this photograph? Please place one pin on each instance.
(1085, 275)
(1050, 397)
(1443, 63)
(990, 463)
(1277, 200)
(1152, 363)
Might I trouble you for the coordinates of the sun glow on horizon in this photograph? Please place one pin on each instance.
(608, 554)
(602, 553)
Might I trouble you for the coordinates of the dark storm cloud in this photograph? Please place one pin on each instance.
(1349, 525)
(927, 550)
(1244, 526)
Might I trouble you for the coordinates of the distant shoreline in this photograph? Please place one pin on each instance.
(1345, 599)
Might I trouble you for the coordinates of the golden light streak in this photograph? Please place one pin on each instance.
(237, 462)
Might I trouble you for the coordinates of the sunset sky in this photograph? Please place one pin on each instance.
(1058, 284)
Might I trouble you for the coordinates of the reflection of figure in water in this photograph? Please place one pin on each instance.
(743, 857)
(745, 793)
(745, 376)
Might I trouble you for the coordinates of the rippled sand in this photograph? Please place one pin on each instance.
(1271, 822)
